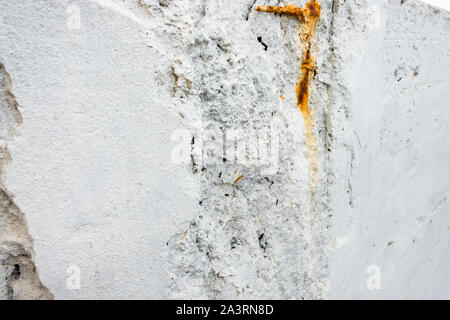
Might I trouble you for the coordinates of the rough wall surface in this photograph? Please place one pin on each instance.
(162, 153)
(19, 279)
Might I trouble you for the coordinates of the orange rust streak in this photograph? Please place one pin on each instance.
(290, 9)
(308, 16)
(237, 180)
(312, 14)
(302, 89)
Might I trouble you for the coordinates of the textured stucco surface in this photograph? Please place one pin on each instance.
(399, 183)
(126, 165)
(18, 276)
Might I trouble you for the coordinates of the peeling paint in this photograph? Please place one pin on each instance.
(20, 277)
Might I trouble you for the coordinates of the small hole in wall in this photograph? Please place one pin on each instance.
(262, 43)
(234, 242)
(16, 273)
(262, 241)
(164, 3)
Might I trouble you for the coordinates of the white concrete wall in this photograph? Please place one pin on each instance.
(110, 90)
(399, 118)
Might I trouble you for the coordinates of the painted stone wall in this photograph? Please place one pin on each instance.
(161, 149)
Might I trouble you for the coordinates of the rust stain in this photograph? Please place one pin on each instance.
(308, 17)
(289, 9)
(238, 178)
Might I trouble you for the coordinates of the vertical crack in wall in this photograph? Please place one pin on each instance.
(18, 275)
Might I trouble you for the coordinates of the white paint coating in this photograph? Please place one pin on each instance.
(444, 4)
(399, 182)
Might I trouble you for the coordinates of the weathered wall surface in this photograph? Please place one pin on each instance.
(19, 279)
(162, 153)
(92, 167)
